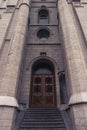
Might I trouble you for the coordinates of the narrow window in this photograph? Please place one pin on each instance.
(43, 16)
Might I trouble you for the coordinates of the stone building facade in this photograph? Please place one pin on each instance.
(46, 37)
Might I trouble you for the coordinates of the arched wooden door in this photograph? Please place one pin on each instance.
(43, 85)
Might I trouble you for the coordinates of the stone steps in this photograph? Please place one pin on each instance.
(42, 119)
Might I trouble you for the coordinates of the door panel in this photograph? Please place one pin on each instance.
(43, 91)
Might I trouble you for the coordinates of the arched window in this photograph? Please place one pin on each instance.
(43, 16)
(43, 67)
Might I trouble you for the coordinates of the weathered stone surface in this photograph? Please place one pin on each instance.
(11, 70)
(74, 53)
(74, 44)
(20, 48)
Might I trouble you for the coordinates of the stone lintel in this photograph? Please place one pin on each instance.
(8, 101)
(78, 98)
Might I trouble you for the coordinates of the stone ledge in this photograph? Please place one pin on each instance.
(27, 2)
(78, 98)
(8, 101)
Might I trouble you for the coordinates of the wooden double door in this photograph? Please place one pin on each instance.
(43, 91)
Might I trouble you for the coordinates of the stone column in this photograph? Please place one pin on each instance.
(9, 81)
(75, 64)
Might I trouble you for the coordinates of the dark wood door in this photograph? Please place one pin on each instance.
(43, 91)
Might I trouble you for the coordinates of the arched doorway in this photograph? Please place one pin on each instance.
(43, 93)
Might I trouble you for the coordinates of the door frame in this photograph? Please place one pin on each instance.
(57, 87)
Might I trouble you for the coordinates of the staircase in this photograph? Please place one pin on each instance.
(42, 119)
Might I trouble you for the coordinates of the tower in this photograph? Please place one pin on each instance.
(41, 64)
(43, 46)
